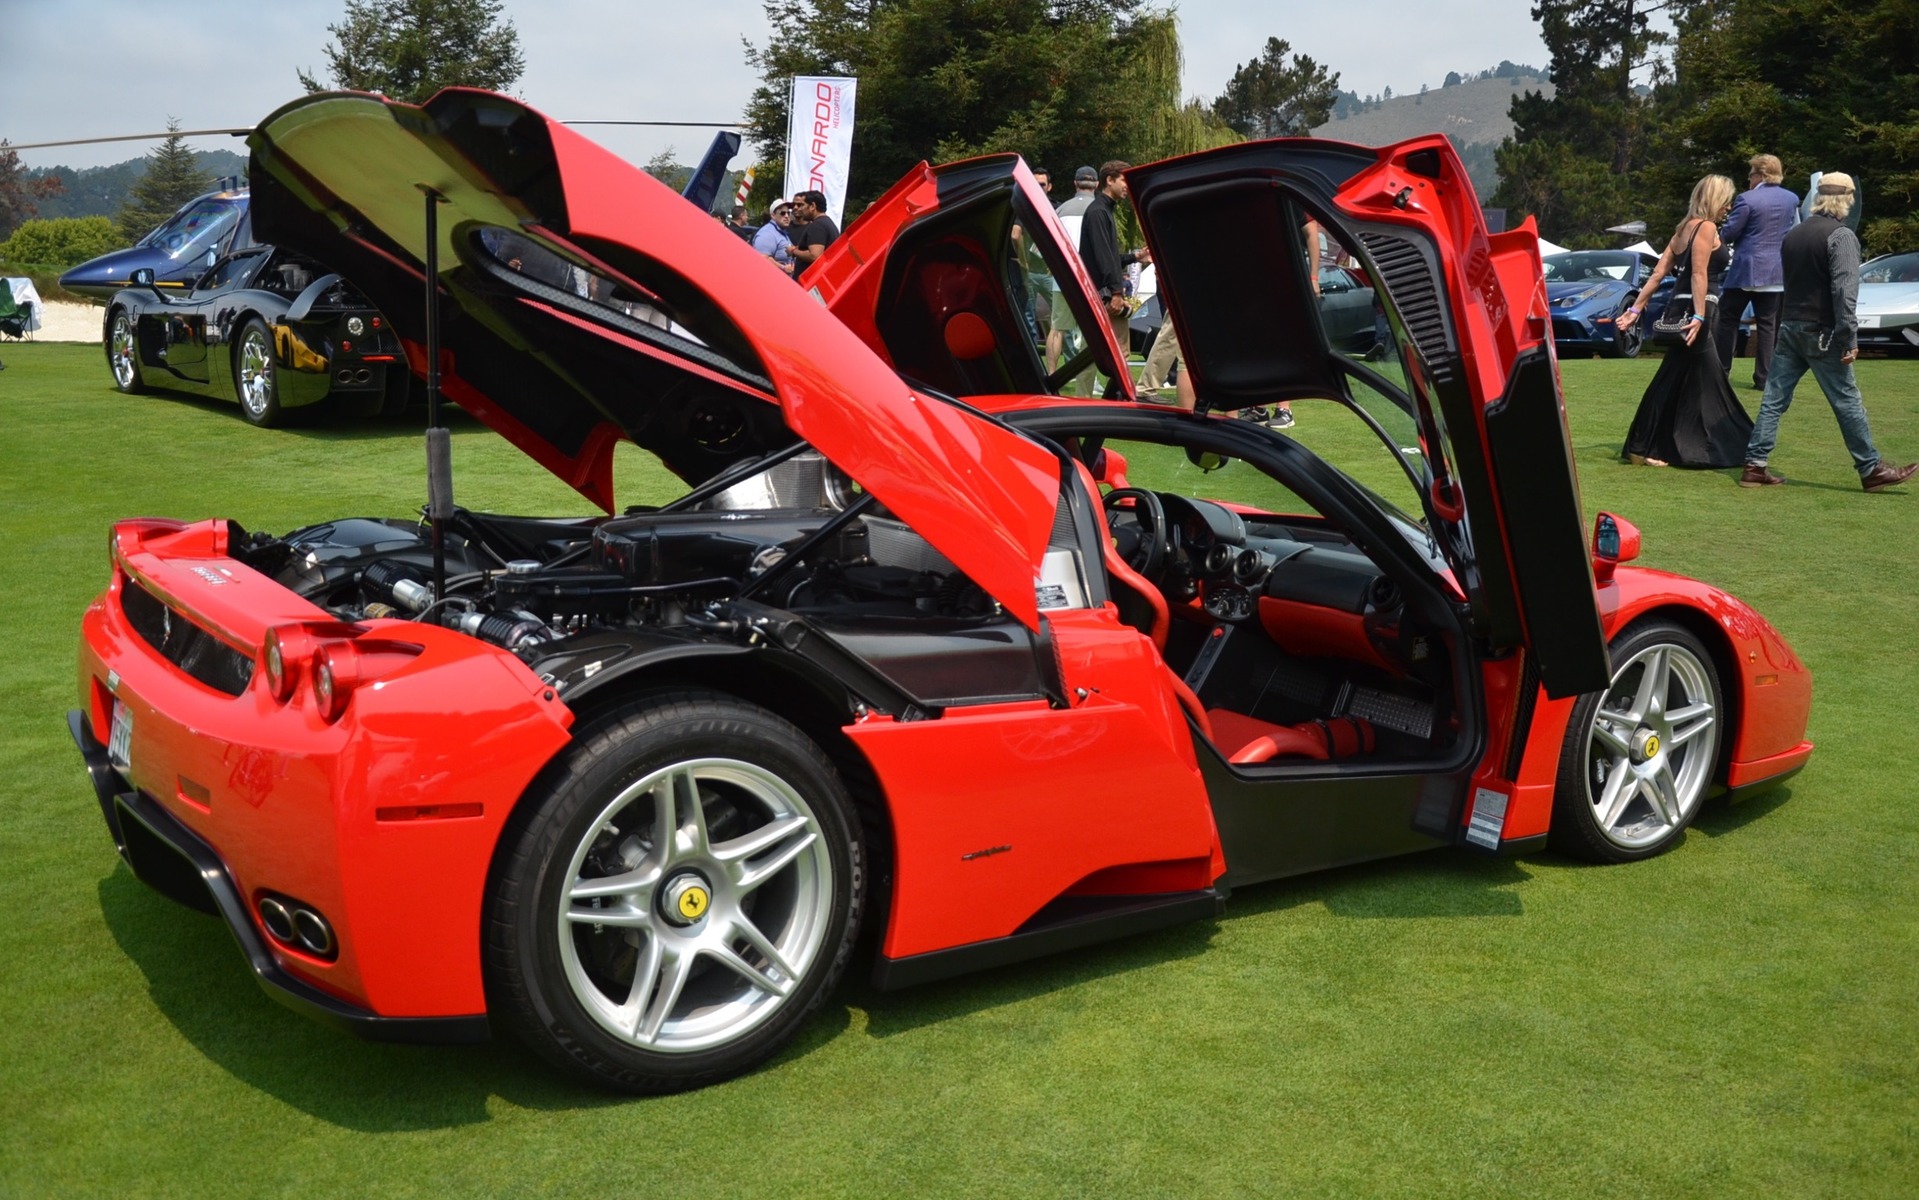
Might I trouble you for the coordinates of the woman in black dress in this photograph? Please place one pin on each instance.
(1689, 416)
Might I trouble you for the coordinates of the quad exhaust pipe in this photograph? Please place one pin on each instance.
(297, 925)
(349, 375)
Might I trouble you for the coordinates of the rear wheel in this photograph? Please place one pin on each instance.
(123, 353)
(256, 376)
(1639, 757)
(677, 896)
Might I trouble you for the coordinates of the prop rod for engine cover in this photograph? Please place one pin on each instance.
(439, 441)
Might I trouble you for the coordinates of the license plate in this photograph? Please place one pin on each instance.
(120, 741)
(1869, 322)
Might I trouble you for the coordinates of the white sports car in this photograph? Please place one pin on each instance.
(1889, 302)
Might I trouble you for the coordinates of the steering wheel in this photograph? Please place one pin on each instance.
(1143, 543)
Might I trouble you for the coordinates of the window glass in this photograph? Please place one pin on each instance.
(692, 328)
(1894, 268)
(195, 229)
(228, 272)
(1590, 266)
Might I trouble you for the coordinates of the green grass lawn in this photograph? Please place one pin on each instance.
(1735, 1018)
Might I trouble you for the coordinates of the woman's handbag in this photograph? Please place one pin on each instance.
(1670, 327)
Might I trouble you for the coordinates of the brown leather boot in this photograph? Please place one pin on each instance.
(1760, 477)
(1882, 476)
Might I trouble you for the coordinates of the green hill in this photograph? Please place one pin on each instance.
(99, 191)
(1474, 114)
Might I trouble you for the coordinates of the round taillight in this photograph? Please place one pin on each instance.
(335, 671)
(284, 653)
(323, 685)
(276, 665)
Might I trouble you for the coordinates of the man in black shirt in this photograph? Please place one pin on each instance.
(1099, 247)
(1819, 332)
(816, 230)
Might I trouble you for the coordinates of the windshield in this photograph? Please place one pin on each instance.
(1590, 266)
(1893, 268)
(195, 229)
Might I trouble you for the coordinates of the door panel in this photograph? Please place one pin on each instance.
(1468, 311)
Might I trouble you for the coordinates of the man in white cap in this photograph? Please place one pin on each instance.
(1819, 332)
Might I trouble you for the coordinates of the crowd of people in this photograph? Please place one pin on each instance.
(795, 233)
(1802, 280)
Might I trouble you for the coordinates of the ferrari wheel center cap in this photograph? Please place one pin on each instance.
(685, 899)
(1645, 745)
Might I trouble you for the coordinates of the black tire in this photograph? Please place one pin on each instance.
(1632, 341)
(779, 880)
(1640, 757)
(123, 353)
(256, 375)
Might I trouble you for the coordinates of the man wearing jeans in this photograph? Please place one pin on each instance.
(1818, 332)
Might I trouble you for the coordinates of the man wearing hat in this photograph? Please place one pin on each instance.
(773, 239)
(1071, 212)
(1818, 332)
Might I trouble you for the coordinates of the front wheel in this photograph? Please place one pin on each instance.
(123, 354)
(676, 897)
(256, 376)
(1639, 757)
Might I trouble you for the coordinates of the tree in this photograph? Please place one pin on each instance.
(1267, 98)
(18, 194)
(1572, 160)
(1062, 82)
(172, 178)
(668, 169)
(409, 49)
(1809, 81)
(59, 244)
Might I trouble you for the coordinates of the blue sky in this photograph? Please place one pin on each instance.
(96, 68)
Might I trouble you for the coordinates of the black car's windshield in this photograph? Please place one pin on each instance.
(195, 229)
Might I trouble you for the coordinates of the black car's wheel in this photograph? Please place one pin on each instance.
(1639, 757)
(123, 354)
(675, 897)
(1626, 343)
(255, 376)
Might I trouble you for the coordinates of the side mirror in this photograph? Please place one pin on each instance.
(1109, 467)
(142, 277)
(1615, 540)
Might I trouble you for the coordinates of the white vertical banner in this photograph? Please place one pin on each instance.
(819, 139)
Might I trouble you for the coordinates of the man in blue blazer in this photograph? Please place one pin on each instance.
(1757, 224)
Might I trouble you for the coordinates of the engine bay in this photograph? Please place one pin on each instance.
(1276, 618)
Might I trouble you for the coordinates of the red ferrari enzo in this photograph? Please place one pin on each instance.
(927, 648)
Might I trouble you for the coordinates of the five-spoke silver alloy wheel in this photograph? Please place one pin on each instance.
(699, 899)
(256, 382)
(1644, 750)
(120, 350)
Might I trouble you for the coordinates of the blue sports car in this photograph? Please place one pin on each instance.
(1588, 289)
